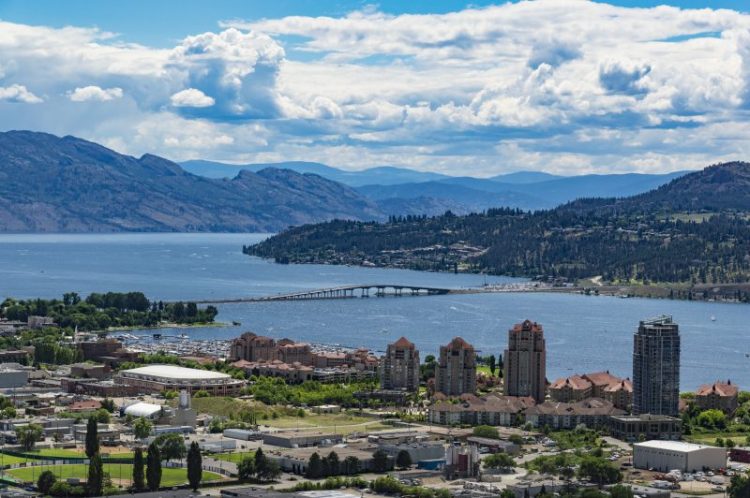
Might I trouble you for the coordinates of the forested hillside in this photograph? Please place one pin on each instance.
(647, 238)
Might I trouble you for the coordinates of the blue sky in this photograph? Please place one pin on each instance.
(163, 22)
(475, 88)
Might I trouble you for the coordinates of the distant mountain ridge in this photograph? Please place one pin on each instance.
(400, 191)
(384, 175)
(53, 184)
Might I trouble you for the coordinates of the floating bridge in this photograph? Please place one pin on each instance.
(343, 292)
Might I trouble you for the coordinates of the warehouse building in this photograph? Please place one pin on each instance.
(159, 378)
(670, 455)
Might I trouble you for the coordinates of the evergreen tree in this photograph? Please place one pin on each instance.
(92, 438)
(45, 482)
(246, 468)
(380, 461)
(153, 467)
(95, 481)
(314, 466)
(403, 459)
(194, 465)
(139, 483)
(333, 464)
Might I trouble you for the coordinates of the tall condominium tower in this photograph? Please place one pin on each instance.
(526, 361)
(656, 367)
(456, 371)
(399, 368)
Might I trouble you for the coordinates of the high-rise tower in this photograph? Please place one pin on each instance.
(526, 361)
(656, 367)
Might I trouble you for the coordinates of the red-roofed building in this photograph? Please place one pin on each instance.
(526, 361)
(456, 371)
(573, 388)
(620, 394)
(399, 368)
(719, 396)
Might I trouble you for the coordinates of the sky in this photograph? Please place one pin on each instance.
(476, 89)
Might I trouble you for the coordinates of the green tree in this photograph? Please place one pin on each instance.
(265, 469)
(712, 419)
(171, 446)
(95, 481)
(139, 479)
(403, 459)
(142, 428)
(153, 467)
(102, 416)
(334, 465)
(45, 482)
(28, 435)
(246, 468)
(486, 431)
(314, 466)
(92, 437)
(599, 471)
(380, 461)
(499, 461)
(194, 466)
(620, 491)
(739, 486)
(108, 404)
(351, 465)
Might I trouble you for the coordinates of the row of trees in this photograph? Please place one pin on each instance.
(100, 311)
(147, 472)
(258, 467)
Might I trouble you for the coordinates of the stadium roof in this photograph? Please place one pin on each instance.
(175, 372)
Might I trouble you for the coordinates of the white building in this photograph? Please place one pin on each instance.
(159, 378)
(670, 455)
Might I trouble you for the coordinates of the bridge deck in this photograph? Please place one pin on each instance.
(343, 292)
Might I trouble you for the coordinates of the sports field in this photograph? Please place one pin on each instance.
(119, 473)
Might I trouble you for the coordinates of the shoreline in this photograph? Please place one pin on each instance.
(169, 326)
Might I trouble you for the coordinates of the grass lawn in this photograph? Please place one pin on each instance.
(11, 460)
(71, 453)
(232, 457)
(739, 438)
(342, 423)
(170, 477)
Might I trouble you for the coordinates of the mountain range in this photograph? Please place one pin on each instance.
(53, 184)
(400, 191)
(66, 184)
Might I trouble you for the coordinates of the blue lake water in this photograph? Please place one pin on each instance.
(583, 333)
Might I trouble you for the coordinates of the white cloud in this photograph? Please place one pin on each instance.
(18, 94)
(191, 98)
(569, 85)
(95, 93)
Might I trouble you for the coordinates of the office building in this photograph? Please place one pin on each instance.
(656, 367)
(526, 361)
(399, 368)
(456, 371)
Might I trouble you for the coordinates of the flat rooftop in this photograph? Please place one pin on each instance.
(175, 372)
(672, 445)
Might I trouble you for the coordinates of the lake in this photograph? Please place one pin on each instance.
(583, 333)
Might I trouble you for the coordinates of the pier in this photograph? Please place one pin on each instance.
(343, 292)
